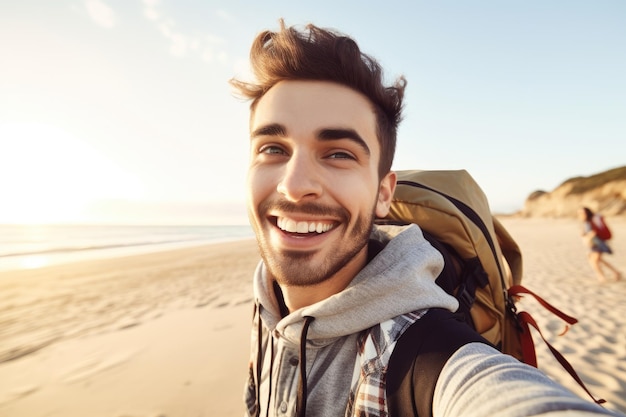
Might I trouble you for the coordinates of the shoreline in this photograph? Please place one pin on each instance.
(30, 261)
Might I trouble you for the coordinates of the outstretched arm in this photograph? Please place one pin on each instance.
(480, 381)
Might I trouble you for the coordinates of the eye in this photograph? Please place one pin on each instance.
(272, 150)
(341, 155)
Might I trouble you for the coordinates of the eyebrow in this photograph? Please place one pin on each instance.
(273, 129)
(329, 134)
(337, 134)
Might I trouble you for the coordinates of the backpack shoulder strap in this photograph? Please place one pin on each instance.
(418, 358)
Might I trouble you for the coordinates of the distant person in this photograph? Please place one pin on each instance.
(597, 246)
(330, 299)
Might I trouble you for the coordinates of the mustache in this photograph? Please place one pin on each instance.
(304, 208)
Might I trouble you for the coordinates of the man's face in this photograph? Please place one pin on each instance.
(313, 187)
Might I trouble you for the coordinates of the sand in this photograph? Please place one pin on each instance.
(167, 334)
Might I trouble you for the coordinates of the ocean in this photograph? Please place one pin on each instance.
(37, 246)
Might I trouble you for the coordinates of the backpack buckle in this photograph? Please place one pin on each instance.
(466, 300)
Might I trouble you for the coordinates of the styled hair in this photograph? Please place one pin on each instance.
(326, 55)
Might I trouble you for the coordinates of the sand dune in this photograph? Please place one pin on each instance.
(166, 334)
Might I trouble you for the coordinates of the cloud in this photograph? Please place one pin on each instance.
(101, 13)
(204, 46)
(150, 9)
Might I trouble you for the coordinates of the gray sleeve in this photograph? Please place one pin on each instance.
(479, 381)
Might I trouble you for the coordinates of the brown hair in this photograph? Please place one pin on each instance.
(325, 55)
(588, 213)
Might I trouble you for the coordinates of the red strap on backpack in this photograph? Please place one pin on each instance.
(518, 290)
(528, 346)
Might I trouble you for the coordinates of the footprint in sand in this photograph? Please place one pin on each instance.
(18, 393)
(94, 366)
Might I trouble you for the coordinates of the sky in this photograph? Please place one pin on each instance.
(120, 111)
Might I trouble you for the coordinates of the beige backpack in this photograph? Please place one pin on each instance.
(453, 211)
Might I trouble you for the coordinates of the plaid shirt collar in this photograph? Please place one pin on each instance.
(375, 346)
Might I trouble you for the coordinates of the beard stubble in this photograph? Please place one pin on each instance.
(298, 268)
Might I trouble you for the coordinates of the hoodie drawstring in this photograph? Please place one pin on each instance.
(269, 393)
(259, 363)
(302, 393)
(259, 357)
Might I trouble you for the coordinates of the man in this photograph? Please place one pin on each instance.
(332, 294)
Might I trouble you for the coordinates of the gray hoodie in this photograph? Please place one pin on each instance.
(399, 280)
(325, 336)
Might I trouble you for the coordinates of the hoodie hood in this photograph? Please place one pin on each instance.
(399, 280)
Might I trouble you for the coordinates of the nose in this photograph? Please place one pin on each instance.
(300, 180)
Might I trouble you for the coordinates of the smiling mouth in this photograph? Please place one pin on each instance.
(303, 227)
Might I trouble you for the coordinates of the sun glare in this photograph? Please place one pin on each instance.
(48, 176)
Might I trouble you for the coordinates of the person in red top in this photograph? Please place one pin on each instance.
(597, 246)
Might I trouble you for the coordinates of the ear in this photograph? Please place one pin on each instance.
(385, 194)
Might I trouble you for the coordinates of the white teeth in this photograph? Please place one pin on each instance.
(291, 226)
(302, 227)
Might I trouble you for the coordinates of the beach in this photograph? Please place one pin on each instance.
(166, 334)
